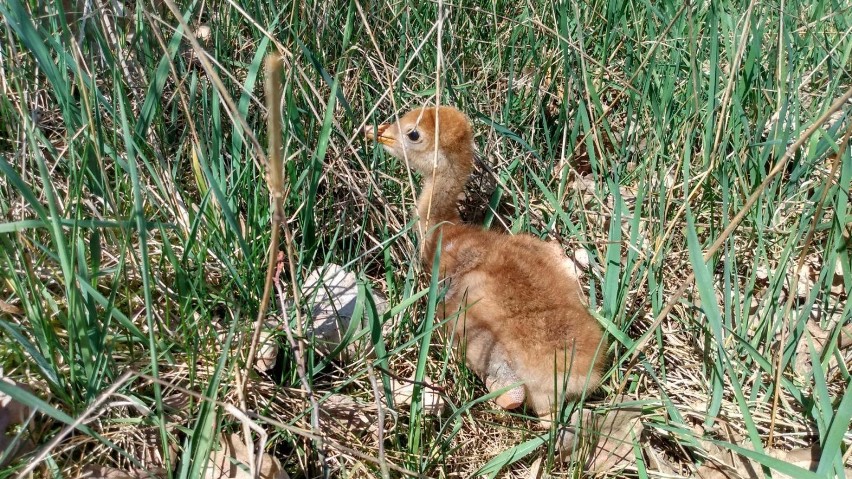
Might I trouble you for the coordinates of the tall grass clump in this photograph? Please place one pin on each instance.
(693, 157)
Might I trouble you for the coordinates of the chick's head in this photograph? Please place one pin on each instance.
(412, 139)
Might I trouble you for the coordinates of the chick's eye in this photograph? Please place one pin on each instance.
(413, 135)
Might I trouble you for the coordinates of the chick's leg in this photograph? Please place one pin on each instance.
(500, 375)
(490, 361)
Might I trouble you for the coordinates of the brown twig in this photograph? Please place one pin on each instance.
(301, 370)
(274, 69)
(380, 433)
(275, 180)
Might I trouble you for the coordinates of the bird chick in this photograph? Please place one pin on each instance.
(519, 311)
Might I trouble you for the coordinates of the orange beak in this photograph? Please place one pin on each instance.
(380, 130)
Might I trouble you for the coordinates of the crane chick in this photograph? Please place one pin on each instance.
(520, 315)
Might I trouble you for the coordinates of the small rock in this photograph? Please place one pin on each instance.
(203, 34)
(333, 293)
(669, 180)
(581, 257)
(267, 352)
(403, 391)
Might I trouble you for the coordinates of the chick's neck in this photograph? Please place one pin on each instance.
(438, 200)
(437, 207)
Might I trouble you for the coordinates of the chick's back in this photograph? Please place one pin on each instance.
(522, 291)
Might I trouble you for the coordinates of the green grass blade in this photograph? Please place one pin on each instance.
(425, 329)
(510, 456)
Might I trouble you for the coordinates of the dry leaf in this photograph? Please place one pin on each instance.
(754, 306)
(13, 414)
(231, 461)
(806, 458)
(802, 283)
(802, 365)
(714, 470)
(725, 464)
(659, 463)
(344, 416)
(617, 431)
(176, 403)
(835, 121)
(838, 285)
(669, 180)
(844, 339)
(536, 470)
(105, 472)
(151, 455)
(10, 308)
(610, 437)
(762, 274)
(584, 183)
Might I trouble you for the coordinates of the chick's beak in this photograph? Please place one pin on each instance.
(380, 130)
